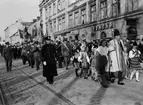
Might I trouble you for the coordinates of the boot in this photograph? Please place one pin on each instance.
(120, 78)
(137, 76)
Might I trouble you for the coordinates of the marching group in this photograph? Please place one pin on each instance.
(101, 60)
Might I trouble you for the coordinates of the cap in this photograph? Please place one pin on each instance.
(7, 43)
(135, 44)
(116, 32)
(47, 38)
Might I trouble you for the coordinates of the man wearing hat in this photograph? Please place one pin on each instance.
(7, 53)
(48, 55)
(116, 50)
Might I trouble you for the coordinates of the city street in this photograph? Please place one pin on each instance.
(26, 86)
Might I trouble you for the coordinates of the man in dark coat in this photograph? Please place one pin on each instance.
(7, 53)
(48, 55)
(59, 57)
(14, 52)
(24, 54)
(37, 57)
(30, 54)
(65, 53)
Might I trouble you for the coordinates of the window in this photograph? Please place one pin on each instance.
(63, 23)
(93, 13)
(51, 30)
(54, 26)
(50, 12)
(59, 25)
(132, 5)
(59, 5)
(54, 8)
(103, 8)
(76, 18)
(70, 20)
(115, 7)
(83, 16)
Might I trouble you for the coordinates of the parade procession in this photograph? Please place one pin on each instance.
(77, 52)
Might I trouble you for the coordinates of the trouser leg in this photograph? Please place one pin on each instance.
(59, 62)
(37, 63)
(50, 79)
(66, 62)
(10, 65)
(103, 81)
(7, 67)
(120, 78)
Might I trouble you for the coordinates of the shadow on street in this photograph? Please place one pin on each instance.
(63, 91)
(96, 99)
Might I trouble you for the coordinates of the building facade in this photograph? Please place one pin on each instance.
(91, 19)
(12, 33)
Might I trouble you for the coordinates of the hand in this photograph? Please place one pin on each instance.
(44, 62)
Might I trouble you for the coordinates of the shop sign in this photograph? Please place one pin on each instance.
(104, 26)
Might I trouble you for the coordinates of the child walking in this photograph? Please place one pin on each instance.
(75, 61)
(84, 61)
(134, 56)
(94, 74)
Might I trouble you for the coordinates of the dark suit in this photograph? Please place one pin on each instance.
(30, 56)
(37, 57)
(7, 53)
(48, 55)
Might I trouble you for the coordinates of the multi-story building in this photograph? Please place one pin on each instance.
(91, 19)
(12, 33)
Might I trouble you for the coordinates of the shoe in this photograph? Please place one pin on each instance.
(105, 86)
(121, 83)
(85, 77)
(137, 81)
(112, 80)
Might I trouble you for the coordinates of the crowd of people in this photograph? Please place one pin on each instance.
(101, 60)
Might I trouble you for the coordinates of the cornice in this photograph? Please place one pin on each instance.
(61, 15)
(46, 3)
(76, 7)
(51, 1)
(43, 4)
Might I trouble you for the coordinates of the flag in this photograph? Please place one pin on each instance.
(21, 33)
(26, 34)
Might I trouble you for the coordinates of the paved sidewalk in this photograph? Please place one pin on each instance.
(26, 86)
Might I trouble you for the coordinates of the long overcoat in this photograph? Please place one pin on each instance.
(48, 55)
(116, 56)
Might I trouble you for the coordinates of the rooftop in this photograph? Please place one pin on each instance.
(26, 23)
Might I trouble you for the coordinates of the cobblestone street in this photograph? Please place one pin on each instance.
(26, 86)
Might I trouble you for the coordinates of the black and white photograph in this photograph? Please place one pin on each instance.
(71, 52)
